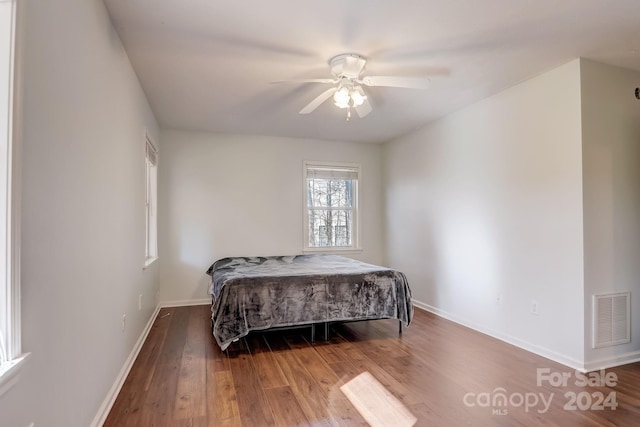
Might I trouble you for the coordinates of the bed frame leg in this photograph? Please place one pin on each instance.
(313, 332)
(326, 331)
(399, 327)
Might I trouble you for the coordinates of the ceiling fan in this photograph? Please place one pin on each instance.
(348, 92)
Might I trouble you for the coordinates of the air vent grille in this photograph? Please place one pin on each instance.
(611, 319)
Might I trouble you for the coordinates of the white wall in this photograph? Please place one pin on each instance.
(236, 195)
(487, 203)
(83, 214)
(611, 164)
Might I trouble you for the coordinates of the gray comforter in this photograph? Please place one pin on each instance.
(266, 292)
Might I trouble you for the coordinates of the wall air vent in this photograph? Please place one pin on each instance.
(611, 319)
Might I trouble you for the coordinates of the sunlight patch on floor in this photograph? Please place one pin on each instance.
(376, 404)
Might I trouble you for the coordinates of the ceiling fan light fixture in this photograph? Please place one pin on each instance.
(348, 92)
(341, 98)
(357, 96)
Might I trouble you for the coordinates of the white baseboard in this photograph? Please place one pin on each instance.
(186, 302)
(610, 362)
(582, 366)
(540, 351)
(108, 402)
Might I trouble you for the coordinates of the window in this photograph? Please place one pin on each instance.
(151, 170)
(331, 206)
(11, 357)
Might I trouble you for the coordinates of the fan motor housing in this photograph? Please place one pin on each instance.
(348, 65)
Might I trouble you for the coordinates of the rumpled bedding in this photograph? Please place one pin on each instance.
(257, 293)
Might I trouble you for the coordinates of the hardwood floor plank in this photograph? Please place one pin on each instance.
(363, 364)
(429, 415)
(252, 401)
(269, 372)
(285, 407)
(191, 422)
(190, 400)
(145, 397)
(370, 342)
(328, 351)
(129, 403)
(346, 371)
(341, 409)
(222, 405)
(311, 397)
(313, 362)
(159, 403)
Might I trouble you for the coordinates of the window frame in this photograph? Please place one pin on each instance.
(151, 201)
(11, 281)
(355, 226)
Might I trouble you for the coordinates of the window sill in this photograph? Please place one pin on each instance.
(10, 373)
(148, 262)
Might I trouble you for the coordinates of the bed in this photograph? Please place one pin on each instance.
(259, 293)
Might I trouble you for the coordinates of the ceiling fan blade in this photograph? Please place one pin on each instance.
(306, 81)
(364, 109)
(396, 81)
(318, 100)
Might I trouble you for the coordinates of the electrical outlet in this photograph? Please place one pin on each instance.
(140, 302)
(124, 322)
(535, 309)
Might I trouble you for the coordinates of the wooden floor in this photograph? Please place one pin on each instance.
(442, 373)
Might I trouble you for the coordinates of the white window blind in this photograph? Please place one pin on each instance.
(332, 172)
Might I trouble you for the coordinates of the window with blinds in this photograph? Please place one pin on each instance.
(331, 206)
(151, 203)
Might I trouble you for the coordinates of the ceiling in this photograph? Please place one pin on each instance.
(208, 65)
